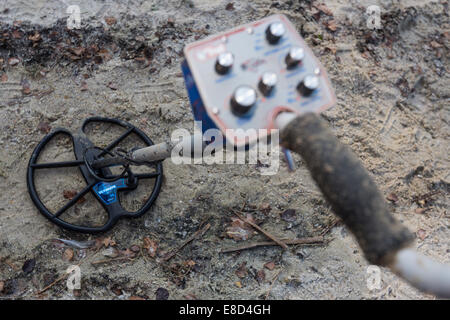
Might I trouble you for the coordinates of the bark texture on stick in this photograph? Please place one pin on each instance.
(348, 187)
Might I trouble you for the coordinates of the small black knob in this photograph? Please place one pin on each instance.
(275, 32)
(294, 57)
(224, 63)
(267, 83)
(243, 99)
(307, 86)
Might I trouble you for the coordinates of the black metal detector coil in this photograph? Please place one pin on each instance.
(105, 186)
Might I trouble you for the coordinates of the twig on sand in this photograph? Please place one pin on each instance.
(331, 226)
(310, 240)
(52, 284)
(64, 275)
(388, 116)
(113, 259)
(273, 282)
(198, 233)
(267, 234)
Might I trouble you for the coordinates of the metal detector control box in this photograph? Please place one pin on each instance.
(242, 78)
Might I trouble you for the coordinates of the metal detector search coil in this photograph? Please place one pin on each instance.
(101, 182)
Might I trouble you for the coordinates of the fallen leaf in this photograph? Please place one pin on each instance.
(140, 59)
(69, 194)
(110, 20)
(241, 272)
(108, 242)
(4, 77)
(189, 263)
(289, 215)
(135, 248)
(422, 234)
(190, 296)
(162, 294)
(13, 61)
(77, 51)
(68, 255)
(17, 34)
(316, 15)
(84, 86)
(332, 49)
(104, 53)
(77, 292)
(229, 6)
(127, 253)
(238, 284)
(392, 197)
(170, 21)
(435, 44)
(35, 37)
(116, 290)
(26, 87)
(260, 276)
(331, 25)
(420, 210)
(239, 230)
(112, 86)
(29, 265)
(74, 57)
(270, 265)
(151, 246)
(323, 8)
(265, 207)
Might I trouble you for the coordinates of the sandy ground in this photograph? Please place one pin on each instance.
(393, 92)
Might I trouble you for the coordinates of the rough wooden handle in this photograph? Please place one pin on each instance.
(348, 187)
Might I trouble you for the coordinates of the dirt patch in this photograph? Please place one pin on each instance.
(392, 89)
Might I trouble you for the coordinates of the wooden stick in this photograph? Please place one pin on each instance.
(112, 259)
(310, 240)
(52, 284)
(268, 235)
(271, 285)
(199, 232)
(331, 226)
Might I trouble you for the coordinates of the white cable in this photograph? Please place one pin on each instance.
(283, 118)
(422, 272)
